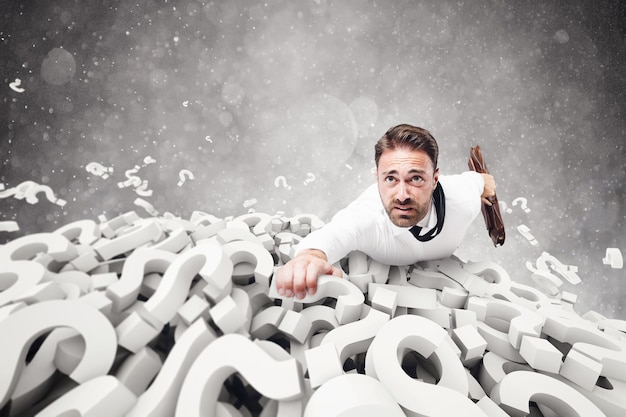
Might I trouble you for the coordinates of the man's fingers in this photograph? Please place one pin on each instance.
(337, 272)
(314, 270)
(298, 285)
(283, 274)
(299, 276)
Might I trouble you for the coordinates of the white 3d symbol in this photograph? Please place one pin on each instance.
(183, 175)
(523, 202)
(281, 180)
(15, 86)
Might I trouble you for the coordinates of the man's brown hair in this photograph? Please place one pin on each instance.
(409, 137)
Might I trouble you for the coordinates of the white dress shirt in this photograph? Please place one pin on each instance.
(364, 225)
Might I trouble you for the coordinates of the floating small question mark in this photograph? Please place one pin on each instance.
(523, 203)
(98, 169)
(142, 189)
(250, 202)
(146, 205)
(613, 257)
(525, 231)
(183, 175)
(281, 180)
(133, 180)
(310, 177)
(9, 226)
(504, 207)
(15, 86)
(148, 160)
(30, 189)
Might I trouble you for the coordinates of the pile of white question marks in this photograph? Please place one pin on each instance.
(164, 316)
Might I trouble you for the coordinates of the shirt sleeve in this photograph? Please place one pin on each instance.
(341, 235)
(475, 181)
(464, 191)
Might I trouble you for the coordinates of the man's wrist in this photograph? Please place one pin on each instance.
(318, 253)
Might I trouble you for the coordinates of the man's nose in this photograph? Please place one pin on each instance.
(402, 196)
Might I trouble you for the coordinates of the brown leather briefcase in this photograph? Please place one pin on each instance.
(492, 215)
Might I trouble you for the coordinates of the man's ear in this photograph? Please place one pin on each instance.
(436, 176)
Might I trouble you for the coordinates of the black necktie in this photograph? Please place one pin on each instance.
(439, 199)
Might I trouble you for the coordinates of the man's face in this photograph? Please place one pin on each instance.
(406, 181)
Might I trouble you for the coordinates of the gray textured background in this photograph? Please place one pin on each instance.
(240, 93)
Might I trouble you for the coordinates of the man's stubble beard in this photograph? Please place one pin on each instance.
(407, 220)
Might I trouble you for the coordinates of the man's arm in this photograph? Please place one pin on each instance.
(299, 275)
(489, 189)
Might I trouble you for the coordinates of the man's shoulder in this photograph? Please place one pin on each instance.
(468, 182)
(368, 198)
(365, 209)
(462, 191)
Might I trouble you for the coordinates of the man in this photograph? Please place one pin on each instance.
(412, 214)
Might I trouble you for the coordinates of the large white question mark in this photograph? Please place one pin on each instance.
(296, 222)
(177, 238)
(18, 276)
(517, 389)
(272, 378)
(356, 337)
(39, 373)
(352, 395)
(590, 342)
(141, 232)
(85, 232)
(139, 369)
(410, 332)
(27, 247)
(184, 174)
(247, 251)
(161, 396)
(207, 260)
(141, 262)
(103, 395)
(281, 180)
(350, 299)
(27, 324)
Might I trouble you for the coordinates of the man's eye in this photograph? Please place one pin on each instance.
(417, 179)
(389, 179)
